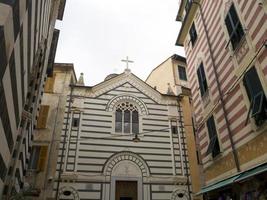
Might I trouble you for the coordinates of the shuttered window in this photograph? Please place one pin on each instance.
(214, 146)
(38, 158)
(234, 27)
(203, 86)
(256, 95)
(42, 158)
(193, 34)
(42, 118)
(49, 85)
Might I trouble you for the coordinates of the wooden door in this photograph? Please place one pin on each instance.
(126, 190)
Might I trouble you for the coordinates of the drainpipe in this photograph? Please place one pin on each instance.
(64, 143)
(237, 164)
(184, 149)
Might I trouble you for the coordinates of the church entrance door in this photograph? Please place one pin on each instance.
(126, 190)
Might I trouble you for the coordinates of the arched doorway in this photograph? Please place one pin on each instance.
(126, 171)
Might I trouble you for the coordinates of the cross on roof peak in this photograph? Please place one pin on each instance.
(127, 61)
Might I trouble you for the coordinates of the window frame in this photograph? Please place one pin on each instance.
(122, 120)
(75, 122)
(193, 34)
(182, 74)
(237, 30)
(202, 80)
(214, 145)
(259, 116)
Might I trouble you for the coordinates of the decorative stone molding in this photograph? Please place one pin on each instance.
(72, 192)
(127, 98)
(126, 156)
(179, 194)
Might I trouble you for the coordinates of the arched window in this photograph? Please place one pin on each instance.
(126, 118)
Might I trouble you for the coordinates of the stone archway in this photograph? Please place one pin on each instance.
(126, 156)
(115, 100)
(129, 168)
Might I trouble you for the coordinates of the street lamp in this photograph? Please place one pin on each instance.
(136, 138)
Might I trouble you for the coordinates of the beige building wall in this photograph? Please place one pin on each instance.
(164, 76)
(48, 136)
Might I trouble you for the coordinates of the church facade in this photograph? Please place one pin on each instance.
(122, 140)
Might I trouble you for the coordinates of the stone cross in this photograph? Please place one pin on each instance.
(127, 62)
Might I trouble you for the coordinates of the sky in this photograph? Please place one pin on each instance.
(95, 35)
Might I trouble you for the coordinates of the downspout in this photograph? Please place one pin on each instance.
(184, 150)
(219, 89)
(64, 143)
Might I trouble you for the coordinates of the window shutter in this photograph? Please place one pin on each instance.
(199, 81)
(41, 122)
(203, 86)
(214, 146)
(42, 158)
(49, 85)
(234, 26)
(252, 83)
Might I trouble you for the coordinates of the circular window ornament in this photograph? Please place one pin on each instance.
(68, 192)
(179, 195)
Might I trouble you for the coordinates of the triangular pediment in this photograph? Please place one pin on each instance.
(124, 81)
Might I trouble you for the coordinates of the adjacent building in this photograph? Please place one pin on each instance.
(170, 77)
(122, 139)
(28, 43)
(46, 139)
(226, 47)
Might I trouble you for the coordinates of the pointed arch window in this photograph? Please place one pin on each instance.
(126, 118)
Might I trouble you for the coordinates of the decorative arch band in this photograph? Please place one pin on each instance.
(117, 99)
(129, 156)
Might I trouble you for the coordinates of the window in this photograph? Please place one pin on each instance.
(182, 73)
(214, 147)
(234, 27)
(34, 157)
(193, 34)
(38, 158)
(42, 118)
(174, 127)
(126, 118)
(75, 122)
(258, 103)
(49, 84)
(187, 5)
(203, 86)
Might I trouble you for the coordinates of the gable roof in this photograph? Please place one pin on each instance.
(122, 78)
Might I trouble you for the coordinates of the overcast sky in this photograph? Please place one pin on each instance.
(96, 34)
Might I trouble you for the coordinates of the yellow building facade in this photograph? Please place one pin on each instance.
(170, 77)
(45, 145)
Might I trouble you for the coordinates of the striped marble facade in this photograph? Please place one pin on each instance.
(95, 156)
(26, 55)
(214, 50)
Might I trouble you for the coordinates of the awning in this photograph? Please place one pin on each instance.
(219, 184)
(252, 172)
(237, 178)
